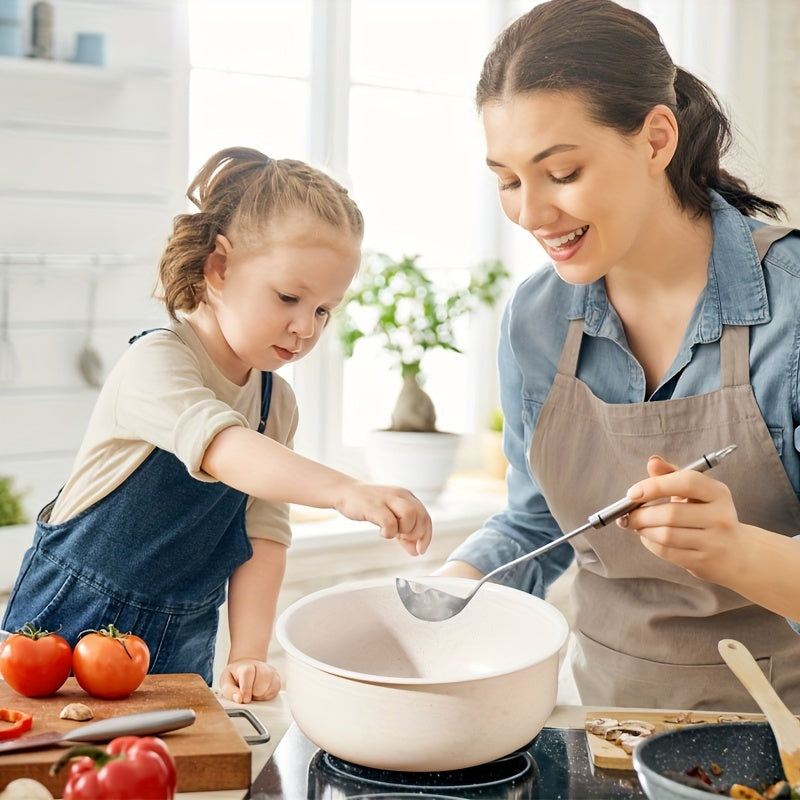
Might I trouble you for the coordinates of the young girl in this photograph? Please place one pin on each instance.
(667, 324)
(183, 478)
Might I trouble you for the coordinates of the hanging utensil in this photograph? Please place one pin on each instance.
(434, 605)
(785, 726)
(90, 364)
(8, 356)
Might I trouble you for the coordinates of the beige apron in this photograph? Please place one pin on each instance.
(646, 631)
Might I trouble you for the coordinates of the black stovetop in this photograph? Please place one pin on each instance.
(555, 765)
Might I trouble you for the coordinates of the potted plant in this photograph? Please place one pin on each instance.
(12, 511)
(16, 532)
(394, 301)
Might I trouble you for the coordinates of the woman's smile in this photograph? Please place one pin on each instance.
(563, 247)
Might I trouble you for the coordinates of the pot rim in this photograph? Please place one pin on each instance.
(515, 595)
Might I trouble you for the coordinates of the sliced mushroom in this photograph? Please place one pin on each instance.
(637, 726)
(627, 741)
(76, 711)
(600, 725)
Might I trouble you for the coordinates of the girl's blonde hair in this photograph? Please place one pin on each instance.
(238, 192)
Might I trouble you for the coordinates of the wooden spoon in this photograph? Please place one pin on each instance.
(785, 726)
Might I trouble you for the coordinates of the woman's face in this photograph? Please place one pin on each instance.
(272, 302)
(587, 193)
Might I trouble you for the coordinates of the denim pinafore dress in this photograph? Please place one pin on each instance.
(152, 557)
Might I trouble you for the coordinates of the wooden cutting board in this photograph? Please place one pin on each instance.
(609, 755)
(209, 754)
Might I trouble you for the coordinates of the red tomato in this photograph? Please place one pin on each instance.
(35, 662)
(110, 664)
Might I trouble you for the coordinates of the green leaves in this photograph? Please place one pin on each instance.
(11, 509)
(397, 302)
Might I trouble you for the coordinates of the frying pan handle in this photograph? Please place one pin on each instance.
(262, 734)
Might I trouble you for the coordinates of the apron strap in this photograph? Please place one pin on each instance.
(266, 396)
(568, 363)
(765, 236)
(734, 346)
(734, 355)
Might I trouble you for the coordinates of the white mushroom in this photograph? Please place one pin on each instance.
(600, 725)
(637, 726)
(627, 741)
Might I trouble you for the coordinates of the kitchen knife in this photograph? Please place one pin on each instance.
(145, 723)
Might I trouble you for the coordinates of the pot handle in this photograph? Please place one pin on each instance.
(262, 734)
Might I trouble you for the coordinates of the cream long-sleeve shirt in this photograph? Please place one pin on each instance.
(166, 392)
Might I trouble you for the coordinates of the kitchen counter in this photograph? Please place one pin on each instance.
(277, 719)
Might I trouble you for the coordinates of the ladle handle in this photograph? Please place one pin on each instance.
(785, 726)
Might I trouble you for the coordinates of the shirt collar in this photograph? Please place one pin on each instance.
(735, 294)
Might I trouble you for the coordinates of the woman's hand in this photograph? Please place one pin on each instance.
(397, 512)
(697, 529)
(248, 679)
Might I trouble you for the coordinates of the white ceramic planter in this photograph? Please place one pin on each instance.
(419, 462)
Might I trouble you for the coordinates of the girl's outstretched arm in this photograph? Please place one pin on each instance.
(263, 468)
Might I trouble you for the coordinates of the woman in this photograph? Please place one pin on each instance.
(659, 329)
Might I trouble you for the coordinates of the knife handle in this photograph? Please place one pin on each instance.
(142, 724)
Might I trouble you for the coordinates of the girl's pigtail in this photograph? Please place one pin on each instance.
(182, 266)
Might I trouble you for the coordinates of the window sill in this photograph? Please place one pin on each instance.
(467, 502)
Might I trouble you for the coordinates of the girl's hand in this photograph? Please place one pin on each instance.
(397, 512)
(249, 679)
(697, 529)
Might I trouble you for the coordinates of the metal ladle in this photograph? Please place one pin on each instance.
(434, 605)
(90, 365)
(785, 726)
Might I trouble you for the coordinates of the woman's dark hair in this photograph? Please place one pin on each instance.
(238, 192)
(614, 58)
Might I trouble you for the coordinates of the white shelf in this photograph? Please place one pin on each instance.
(53, 262)
(73, 72)
(36, 68)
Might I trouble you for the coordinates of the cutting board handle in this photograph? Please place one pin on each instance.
(261, 735)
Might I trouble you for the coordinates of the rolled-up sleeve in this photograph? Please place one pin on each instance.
(162, 399)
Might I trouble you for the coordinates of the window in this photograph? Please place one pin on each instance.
(380, 94)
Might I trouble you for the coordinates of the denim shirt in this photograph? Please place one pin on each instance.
(739, 291)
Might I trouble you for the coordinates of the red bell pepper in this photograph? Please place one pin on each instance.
(21, 722)
(129, 768)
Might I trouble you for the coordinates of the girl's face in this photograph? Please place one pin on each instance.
(587, 193)
(272, 302)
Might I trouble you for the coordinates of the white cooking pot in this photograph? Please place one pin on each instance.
(368, 682)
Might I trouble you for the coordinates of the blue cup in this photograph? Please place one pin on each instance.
(90, 48)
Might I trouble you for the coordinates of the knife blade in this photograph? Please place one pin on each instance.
(145, 723)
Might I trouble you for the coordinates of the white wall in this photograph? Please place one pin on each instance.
(92, 170)
(93, 164)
